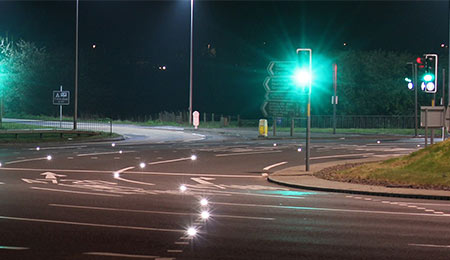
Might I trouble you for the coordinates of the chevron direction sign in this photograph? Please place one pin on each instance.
(282, 97)
(281, 108)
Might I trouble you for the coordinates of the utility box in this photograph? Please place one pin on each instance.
(432, 117)
(263, 128)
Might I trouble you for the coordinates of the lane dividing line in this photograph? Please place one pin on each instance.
(331, 209)
(341, 155)
(13, 248)
(273, 165)
(76, 192)
(57, 148)
(27, 160)
(157, 212)
(134, 172)
(247, 153)
(246, 194)
(121, 255)
(2, 183)
(104, 153)
(49, 221)
(426, 245)
(174, 251)
(169, 161)
(181, 243)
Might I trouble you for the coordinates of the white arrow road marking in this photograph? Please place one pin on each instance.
(52, 176)
(124, 255)
(33, 181)
(117, 177)
(273, 165)
(91, 224)
(205, 181)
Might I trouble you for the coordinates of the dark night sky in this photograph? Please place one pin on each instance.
(241, 32)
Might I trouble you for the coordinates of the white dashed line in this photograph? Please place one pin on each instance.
(104, 153)
(248, 153)
(425, 245)
(174, 251)
(121, 255)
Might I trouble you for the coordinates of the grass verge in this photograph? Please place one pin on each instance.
(428, 168)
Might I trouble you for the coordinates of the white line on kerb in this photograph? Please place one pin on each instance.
(248, 153)
(103, 153)
(427, 245)
(341, 155)
(331, 209)
(273, 165)
(121, 255)
(92, 224)
(76, 192)
(58, 148)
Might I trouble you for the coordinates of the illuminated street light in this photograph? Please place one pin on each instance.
(38, 148)
(113, 144)
(193, 157)
(302, 77)
(49, 157)
(142, 165)
(183, 188)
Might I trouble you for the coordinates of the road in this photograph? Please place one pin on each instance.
(95, 201)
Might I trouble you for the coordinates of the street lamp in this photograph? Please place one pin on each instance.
(190, 62)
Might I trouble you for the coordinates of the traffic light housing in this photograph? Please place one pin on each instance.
(427, 72)
(302, 75)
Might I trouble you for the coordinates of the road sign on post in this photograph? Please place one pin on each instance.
(61, 98)
(196, 119)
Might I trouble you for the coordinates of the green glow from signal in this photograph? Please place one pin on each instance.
(428, 77)
(301, 77)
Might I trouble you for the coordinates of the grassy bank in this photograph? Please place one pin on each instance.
(425, 168)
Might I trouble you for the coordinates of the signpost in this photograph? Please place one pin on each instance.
(61, 98)
(196, 119)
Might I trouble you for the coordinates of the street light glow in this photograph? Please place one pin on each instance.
(302, 77)
(38, 148)
(192, 231)
(204, 202)
(193, 157)
(205, 215)
(116, 175)
(49, 157)
(113, 144)
(183, 188)
(142, 165)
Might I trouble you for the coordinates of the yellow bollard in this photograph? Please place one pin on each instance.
(263, 128)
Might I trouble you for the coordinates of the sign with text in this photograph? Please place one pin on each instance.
(281, 108)
(61, 98)
(432, 117)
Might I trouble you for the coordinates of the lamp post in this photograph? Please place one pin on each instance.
(75, 114)
(191, 62)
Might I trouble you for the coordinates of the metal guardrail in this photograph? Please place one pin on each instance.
(82, 125)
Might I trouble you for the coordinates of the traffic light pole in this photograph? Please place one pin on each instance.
(334, 97)
(308, 112)
(415, 99)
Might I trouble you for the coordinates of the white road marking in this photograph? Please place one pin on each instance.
(92, 224)
(174, 251)
(248, 153)
(94, 157)
(13, 248)
(169, 161)
(121, 255)
(135, 182)
(124, 169)
(2, 183)
(438, 212)
(70, 158)
(412, 206)
(27, 160)
(156, 212)
(330, 209)
(427, 245)
(134, 172)
(77, 192)
(273, 165)
(52, 176)
(248, 194)
(429, 210)
(103, 153)
(432, 204)
(33, 181)
(341, 155)
(205, 181)
(58, 147)
(181, 243)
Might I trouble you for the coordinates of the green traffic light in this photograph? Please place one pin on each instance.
(301, 77)
(428, 77)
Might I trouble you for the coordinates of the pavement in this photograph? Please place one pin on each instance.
(297, 177)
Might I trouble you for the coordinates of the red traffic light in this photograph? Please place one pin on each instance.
(420, 62)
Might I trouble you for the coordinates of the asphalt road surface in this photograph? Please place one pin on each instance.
(123, 201)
